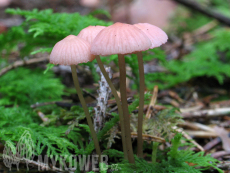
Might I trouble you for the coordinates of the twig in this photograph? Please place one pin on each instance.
(225, 165)
(207, 113)
(197, 126)
(41, 104)
(206, 11)
(149, 138)
(212, 143)
(102, 100)
(201, 134)
(171, 101)
(129, 100)
(175, 96)
(220, 154)
(22, 63)
(64, 103)
(191, 109)
(152, 102)
(42, 116)
(89, 94)
(199, 34)
(189, 138)
(205, 28)
(48, 103)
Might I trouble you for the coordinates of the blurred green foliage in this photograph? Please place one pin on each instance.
(42, 29)
(24, 87)
(208, 58)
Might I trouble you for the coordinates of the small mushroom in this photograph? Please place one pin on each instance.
(157, 38)
(4, 3)
(90, 3)
(156, 35)
(89, 33)
(74, 50)
(124, 39)
(121, 39)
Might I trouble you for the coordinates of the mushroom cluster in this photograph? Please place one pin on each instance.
(120, 39)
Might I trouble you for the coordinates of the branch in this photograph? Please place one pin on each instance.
(207, 113)
(204, 10)
(102, 101)
(22, 63)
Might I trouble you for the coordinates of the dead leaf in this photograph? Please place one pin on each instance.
(223, 134)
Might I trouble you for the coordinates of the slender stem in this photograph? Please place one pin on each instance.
(141, 105)
(121, 117)
(83, 103)
(122, 68)
(154, 152)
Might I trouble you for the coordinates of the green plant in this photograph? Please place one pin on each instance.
(24, 87)
(176, 160)
(213, 63)
(51, 140)
(44, 28)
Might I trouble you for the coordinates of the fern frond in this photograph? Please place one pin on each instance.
(25, 87)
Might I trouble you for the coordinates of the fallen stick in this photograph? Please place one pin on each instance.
(197, 126)
(189, 138)
(152, 102)
(192, 109)
(224, 165)
(207, 113)
(22, 63)
(205, 28)
(204, 10)
(219, 154)
(212, 143)
(149, 138)
(201, 134)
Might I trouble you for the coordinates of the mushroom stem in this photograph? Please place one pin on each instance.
(122, 68)
(84, 106)
(141, 105)
(121, 117)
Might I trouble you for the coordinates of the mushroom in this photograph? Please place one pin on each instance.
(90, 3)
(156, 35)
(157, 38)
(121, 39)
(89, 33)
(4, 3)
(73, 50)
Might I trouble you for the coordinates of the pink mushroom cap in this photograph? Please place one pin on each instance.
(155, 34)
(90, 32)
(120, 38)
(72, 50)
(90, 3)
